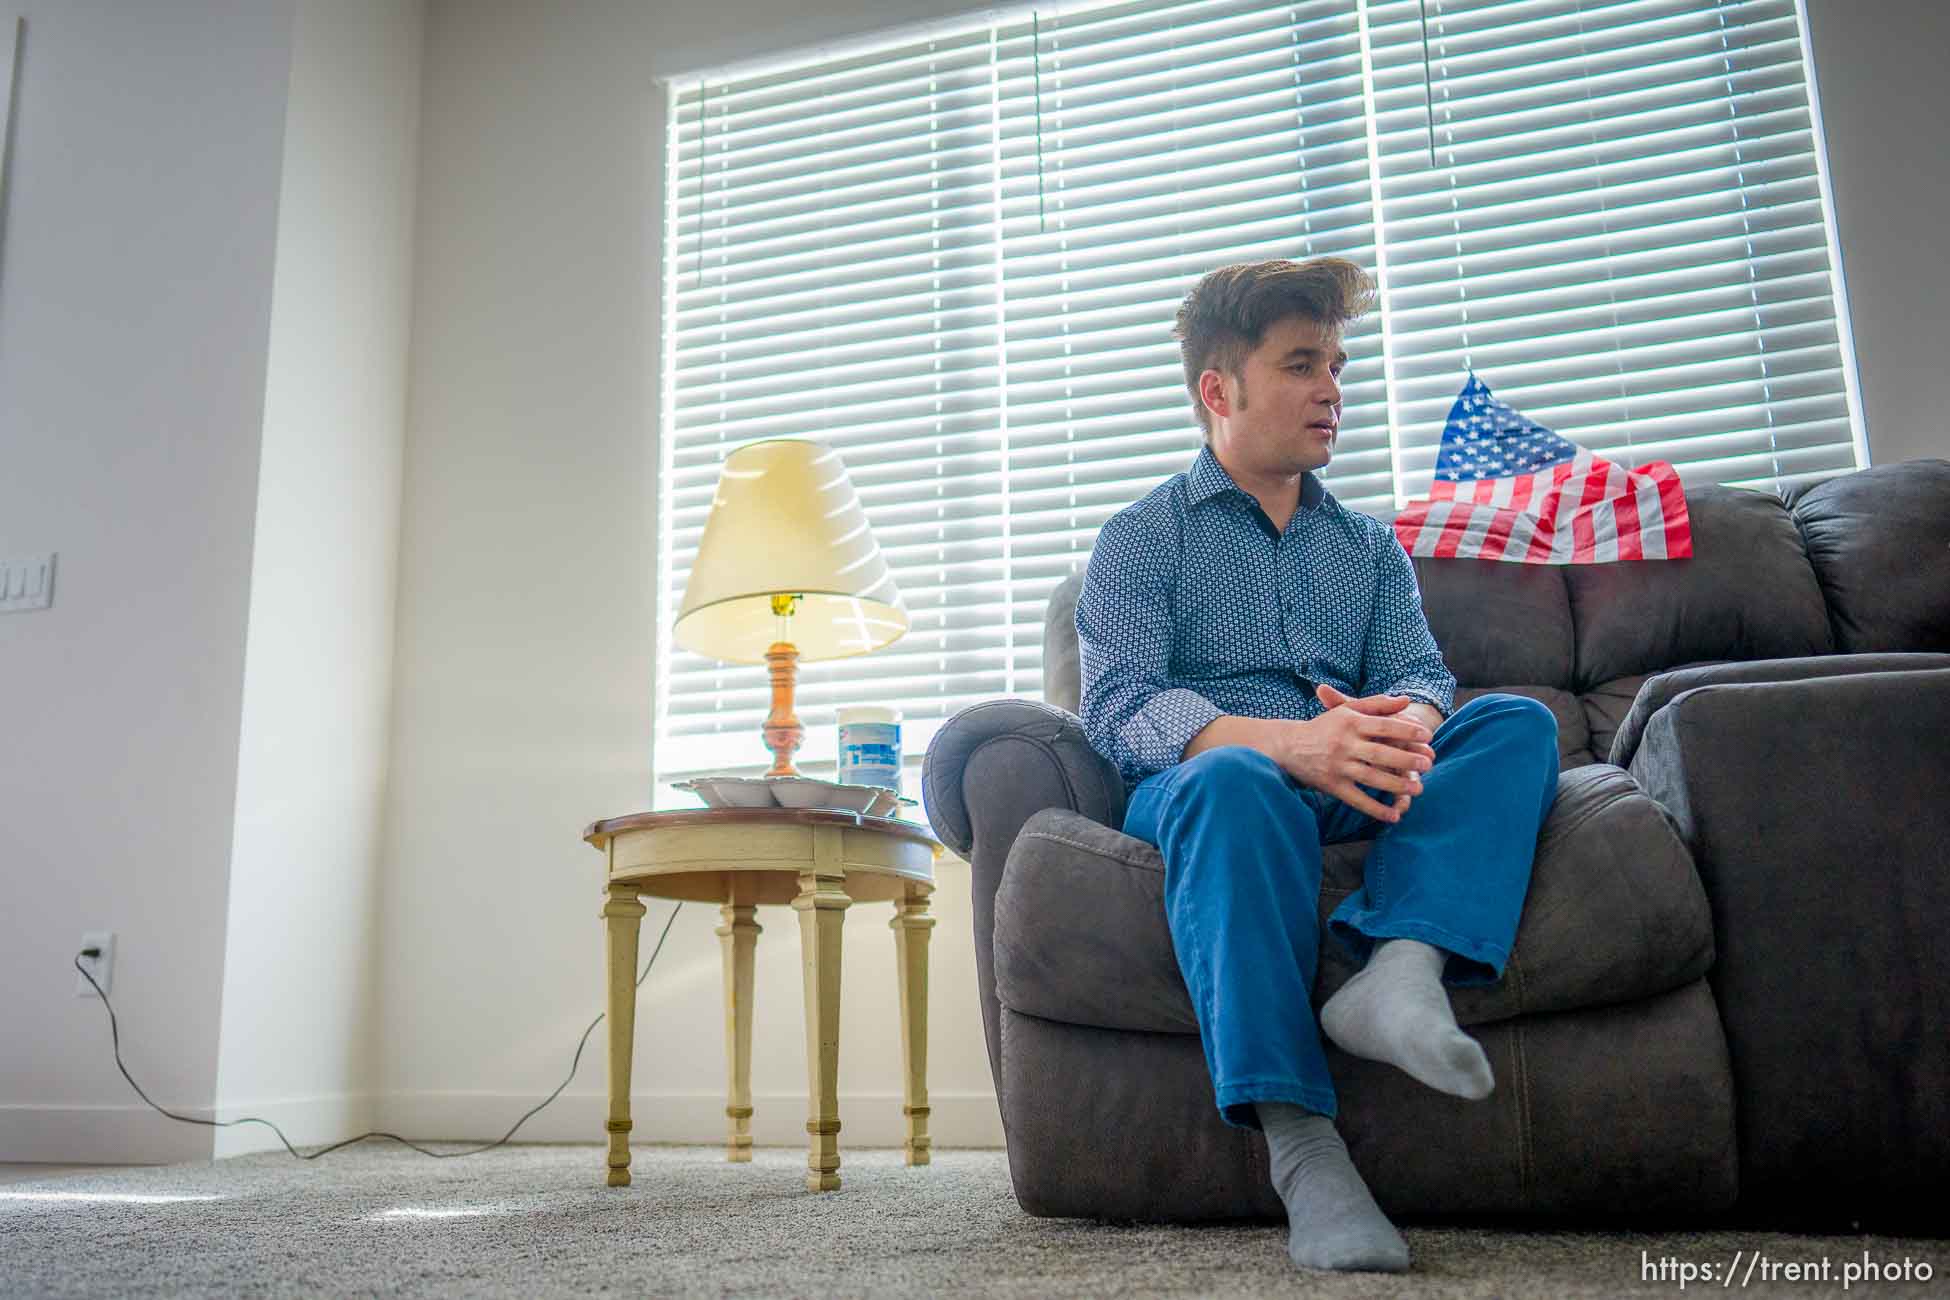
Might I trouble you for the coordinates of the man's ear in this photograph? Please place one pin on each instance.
(1212, 392)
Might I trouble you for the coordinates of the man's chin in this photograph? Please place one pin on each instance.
(1316, 457)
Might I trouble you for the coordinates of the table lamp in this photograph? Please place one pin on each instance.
(787, 570)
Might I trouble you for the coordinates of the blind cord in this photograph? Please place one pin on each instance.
(703, 151)
(115, 1036)
(1428, 95)
(1036, 64)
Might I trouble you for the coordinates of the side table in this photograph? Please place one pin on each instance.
(818, 862)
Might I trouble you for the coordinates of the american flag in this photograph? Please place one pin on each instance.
(1507, 488)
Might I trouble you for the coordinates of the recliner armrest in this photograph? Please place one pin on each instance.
(1660, 689)
(1072, 775)
(991, 768)
(1817, 812)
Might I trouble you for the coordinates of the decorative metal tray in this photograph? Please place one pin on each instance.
(792, 792)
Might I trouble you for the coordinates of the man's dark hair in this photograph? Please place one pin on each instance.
(1226, 314)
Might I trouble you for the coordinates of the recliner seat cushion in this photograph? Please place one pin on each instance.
(1615, 912)
(1620, 1114)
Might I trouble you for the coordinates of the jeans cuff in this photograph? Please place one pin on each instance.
(1472, 962)
(1236, 1100)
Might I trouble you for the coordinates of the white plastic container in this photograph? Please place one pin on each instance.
(870, 746)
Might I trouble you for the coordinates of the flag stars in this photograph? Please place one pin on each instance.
(1485, 438)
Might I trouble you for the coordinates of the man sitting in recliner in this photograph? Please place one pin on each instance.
(1257, 664)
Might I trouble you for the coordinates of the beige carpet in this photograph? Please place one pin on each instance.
(536, 1221)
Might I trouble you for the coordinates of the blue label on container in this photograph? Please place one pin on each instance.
(870, 754)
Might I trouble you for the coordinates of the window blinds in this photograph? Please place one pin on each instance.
(832, 273)
(1622, 230)
(956, 260)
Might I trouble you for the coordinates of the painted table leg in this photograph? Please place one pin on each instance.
(822, 904)
(911, 924)
(740, 933)
(622, 912)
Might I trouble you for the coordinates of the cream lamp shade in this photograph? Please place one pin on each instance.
(787, 523)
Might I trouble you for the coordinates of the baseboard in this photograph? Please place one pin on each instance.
(866, 1119)
(305, 1121)
(137, 1135)
(101, 1135)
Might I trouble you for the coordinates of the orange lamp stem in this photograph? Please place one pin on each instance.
(783, 733)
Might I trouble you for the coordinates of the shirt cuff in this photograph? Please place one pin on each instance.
(1157, 734)
(1427, 696)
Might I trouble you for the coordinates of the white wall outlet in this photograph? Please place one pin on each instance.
(102, 967)
(26, 582)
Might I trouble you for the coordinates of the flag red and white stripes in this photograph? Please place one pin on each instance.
(1582, 511)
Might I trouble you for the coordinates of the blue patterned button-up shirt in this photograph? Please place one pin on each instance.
(1195, 606)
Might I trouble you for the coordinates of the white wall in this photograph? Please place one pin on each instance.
(1884, 98)
(193, 289)
(302, 953)
(135, 295)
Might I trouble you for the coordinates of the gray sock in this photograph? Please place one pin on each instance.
(1332, 1219)
(1396, 1010)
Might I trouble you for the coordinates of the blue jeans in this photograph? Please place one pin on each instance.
(1241, 841)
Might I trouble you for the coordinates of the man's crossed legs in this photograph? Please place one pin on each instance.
(1439, 903)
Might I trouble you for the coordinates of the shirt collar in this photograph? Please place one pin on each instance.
(1208, 478)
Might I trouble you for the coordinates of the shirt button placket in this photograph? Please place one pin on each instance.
(1296, 640)
(1289, 606)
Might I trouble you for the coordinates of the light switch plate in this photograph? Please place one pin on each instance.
(26, 582)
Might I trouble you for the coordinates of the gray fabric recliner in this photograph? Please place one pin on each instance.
(1729, 995)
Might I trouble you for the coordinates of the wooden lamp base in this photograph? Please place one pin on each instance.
(783, 734)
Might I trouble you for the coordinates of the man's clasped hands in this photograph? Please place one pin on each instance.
(1359, 742)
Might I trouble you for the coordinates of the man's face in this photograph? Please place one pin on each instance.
(1273, 421)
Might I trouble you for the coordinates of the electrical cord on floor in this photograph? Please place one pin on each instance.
(115, 1035)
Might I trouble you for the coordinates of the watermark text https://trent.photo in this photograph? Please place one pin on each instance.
(1749, 1266)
